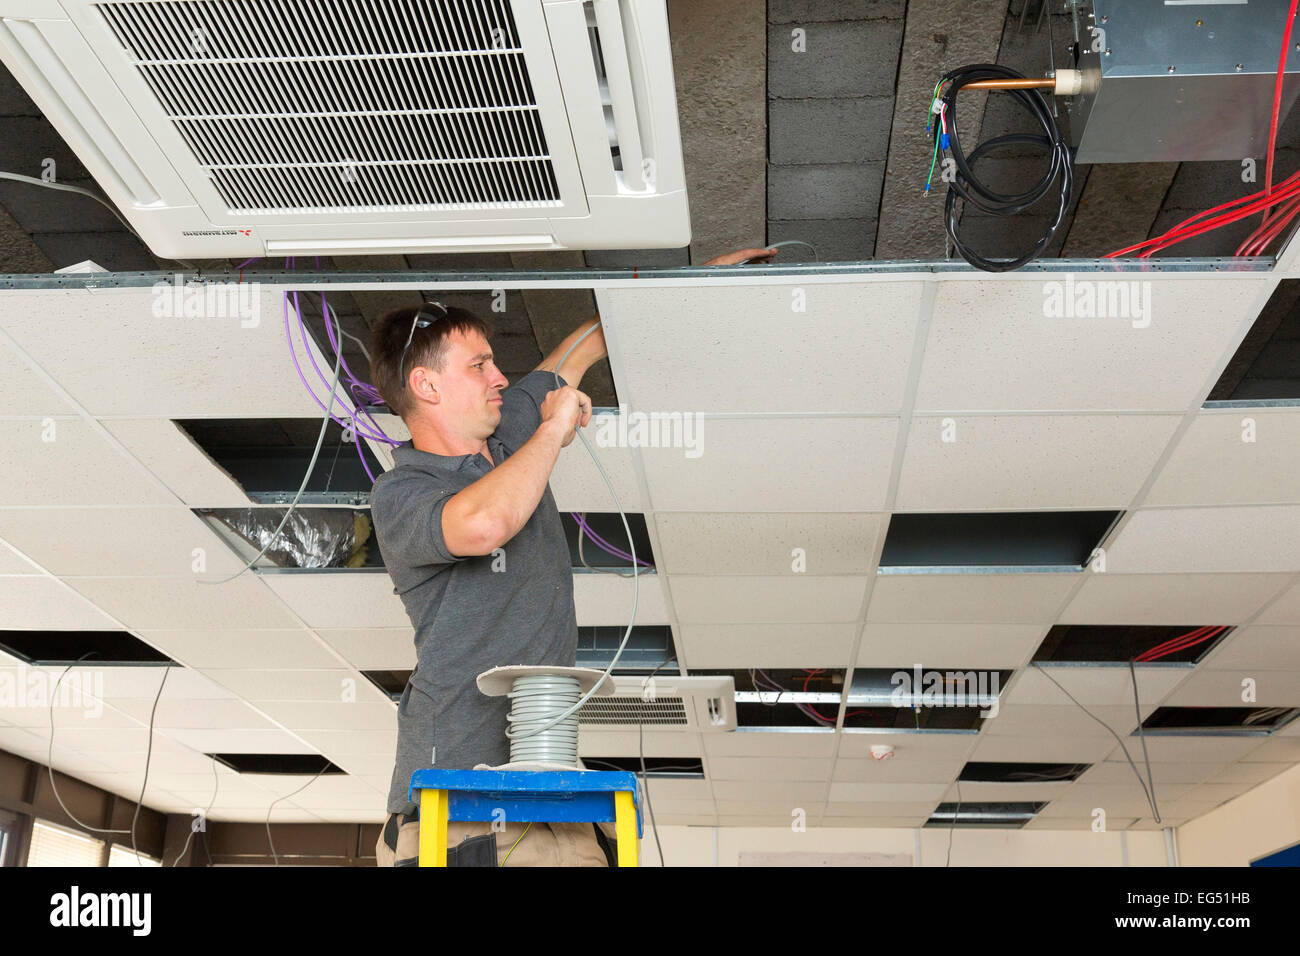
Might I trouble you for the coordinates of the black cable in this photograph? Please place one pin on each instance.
(967, 187)
(645, 784)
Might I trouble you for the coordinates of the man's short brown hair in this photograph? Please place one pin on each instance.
(428, 348)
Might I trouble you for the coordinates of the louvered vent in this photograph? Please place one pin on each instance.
(304, 106)
(663, 711)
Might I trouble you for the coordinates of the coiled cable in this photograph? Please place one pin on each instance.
(536, 700)
(968, 187)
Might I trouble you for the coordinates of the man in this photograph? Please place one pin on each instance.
(473, 542)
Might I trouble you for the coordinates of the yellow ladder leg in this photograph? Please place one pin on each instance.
(625, 827)
(433, 827)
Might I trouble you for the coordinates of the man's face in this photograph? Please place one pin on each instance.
(470, 386)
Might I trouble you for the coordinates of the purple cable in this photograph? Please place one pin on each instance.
(602, 543)
(246, 262)
(377, 435)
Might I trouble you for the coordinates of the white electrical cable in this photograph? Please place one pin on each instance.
(636, 585)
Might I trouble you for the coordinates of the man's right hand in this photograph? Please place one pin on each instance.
(569, 409)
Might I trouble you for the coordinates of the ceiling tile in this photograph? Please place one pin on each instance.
(185, 715)
(697, 543)
(375, 648)
(1267, 648)
(263, 685)
(766, 465)
(1042, 749)
(13, 562)
(214, 367)
(171, 454)
(605, 600)
(1250, 773)
(871, 325)
(130, 541)
(1021, 462)
(1277, 748)
(1264, 538)
(45, 603)
(236, 648)
(970, 791)
(715, 599)
(1111, 686)
(969, 598)
(1107, 598)
(319, 715)
(1285, 610)
(770, 768)
(804, 644)
(1194, 749)
(926, 745)
(949, 645)
(768, 790)
(812, 743)
(906, 766)
(179, 603)
(981, 328)
(1114, 772)
(21, 388)
(340, 599)
(1225, 688)
(1063, 720)
(577, 484)
(601, 742)
(1233, 456)
(65, 461)
(888, 792)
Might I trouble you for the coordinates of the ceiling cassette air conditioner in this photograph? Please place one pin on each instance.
(242, 128)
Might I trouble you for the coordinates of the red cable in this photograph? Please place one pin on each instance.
(1257, 201)
(1185, 645)
(1190, 639)
(1278, 222)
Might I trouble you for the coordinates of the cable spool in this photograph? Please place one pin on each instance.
(538, 695)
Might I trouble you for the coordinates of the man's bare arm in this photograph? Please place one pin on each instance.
(590, 351)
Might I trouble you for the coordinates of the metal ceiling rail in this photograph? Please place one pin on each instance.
(312, 279)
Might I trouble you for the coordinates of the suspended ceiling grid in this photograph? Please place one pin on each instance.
(818, 425)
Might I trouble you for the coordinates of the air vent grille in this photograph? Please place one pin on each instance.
(606, 711)
(305, 106)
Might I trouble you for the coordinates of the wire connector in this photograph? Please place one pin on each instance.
(943, 140)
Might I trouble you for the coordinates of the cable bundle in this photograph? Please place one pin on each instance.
(968, 187)
(536, 736)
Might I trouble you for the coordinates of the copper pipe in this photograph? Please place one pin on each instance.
(1045, 84)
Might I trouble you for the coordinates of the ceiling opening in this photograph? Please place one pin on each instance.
(1021, 539)
(1219, 720)
(1119, 644)
(991, 772)
(71, 647)
(297, 764)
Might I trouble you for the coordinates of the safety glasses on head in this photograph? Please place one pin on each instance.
(423, 319)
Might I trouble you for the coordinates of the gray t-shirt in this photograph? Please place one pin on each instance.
(473, 613)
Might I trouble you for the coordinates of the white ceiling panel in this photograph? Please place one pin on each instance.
(1251, 773)
(1261, 648)
(177, 367)
(969, 598)
(348, 742)
(186, 715)
(1225, 688)
(1025, 462)
(24, 392)
(374, 648)
(805, 644)
(1233, 456)
(1063, 720)
(134, 541)
(888, 792)
(179, 603)
(732, 543)
(1113, 772)
(1194, 749)
(926, 745)
(982, 328)
(1263, 538)
(353, 599)
(1042, 749)
(905, 766)
(1163, 598)
(1107, 686)
(264, 685)
(604, 600)
(949, 645)
(716, 599)
(235, 648)
(810, 743)
(364, 714)
(1080, 821)
(769, 791)
(597, 743)
(12, 562)
(777, 465)
(65, 461)
(770, 768)
(1276, 748)
(1285, 610)
(164, 448)
(44, 603)
(864, 332)
(577, 484)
